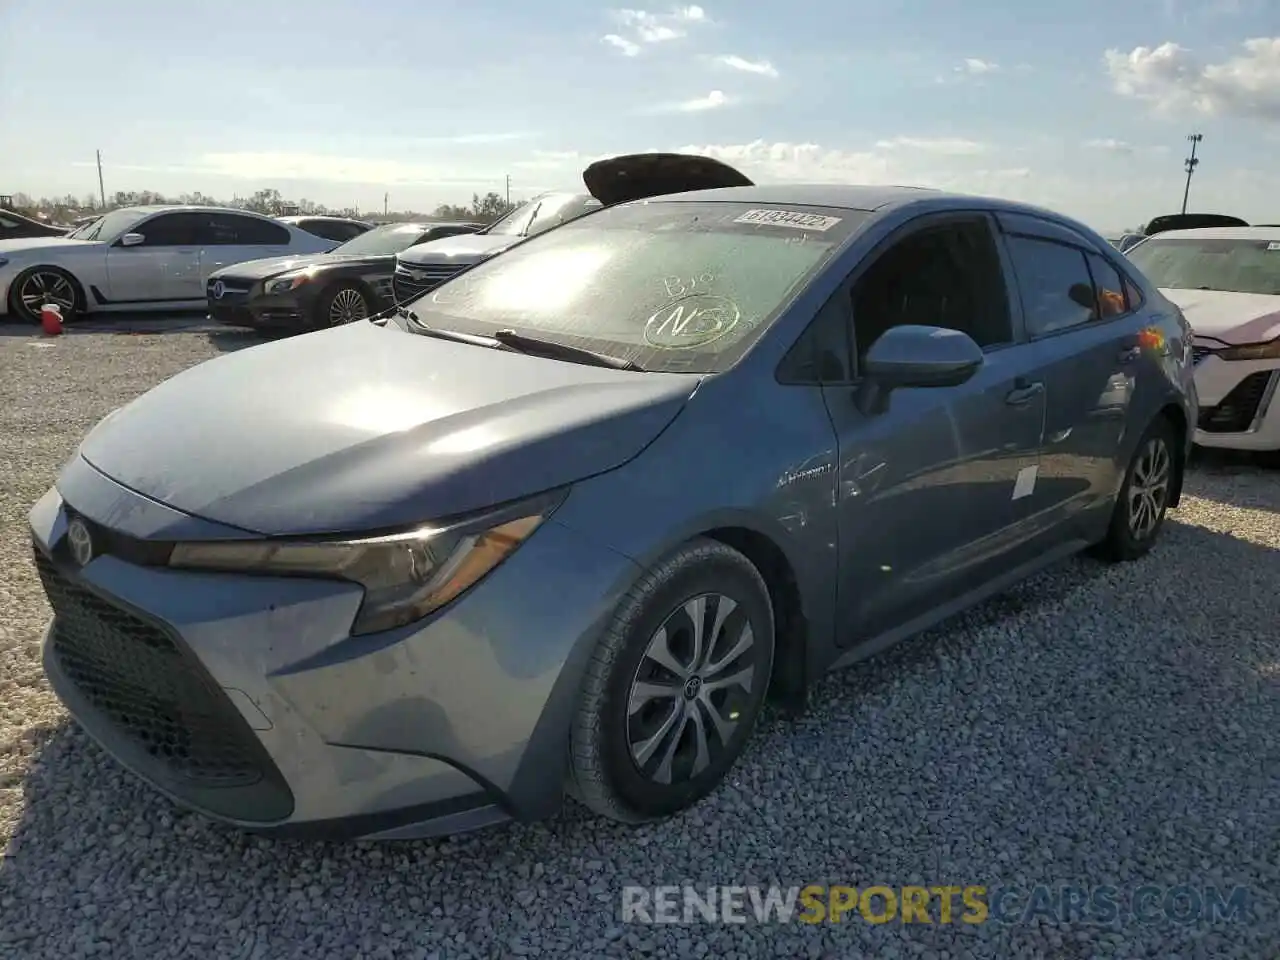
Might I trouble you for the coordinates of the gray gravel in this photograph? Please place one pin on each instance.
(1097, 726)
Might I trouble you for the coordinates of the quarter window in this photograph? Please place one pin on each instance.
(1057, 289)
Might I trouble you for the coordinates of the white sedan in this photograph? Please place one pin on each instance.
(1227, 282)
(140, 258)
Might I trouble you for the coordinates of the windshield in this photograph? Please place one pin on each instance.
(110, 226)
(512, 225)
(1237, 265)
(382, 241)
(676, 287)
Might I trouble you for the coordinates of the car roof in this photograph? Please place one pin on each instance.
(298, 217)
(1222, 233)
(183, 208)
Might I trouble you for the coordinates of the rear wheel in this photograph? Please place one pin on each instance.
(1139, 513)
(44, 285)
(343, 303)
(675, 686)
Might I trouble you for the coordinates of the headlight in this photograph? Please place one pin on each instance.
(405, 575)
(285, 283)
(1270, 350)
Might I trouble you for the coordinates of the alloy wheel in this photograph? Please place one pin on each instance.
(47, 287)
(348, 306)
(693, 685)
(1149, 488)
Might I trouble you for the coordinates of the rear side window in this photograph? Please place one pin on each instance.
(1055, 284)
(329, 230)
(1113, 300)
(230, 229)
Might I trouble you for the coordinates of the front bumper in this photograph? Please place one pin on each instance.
(245, 699)
(1238, 405)
(243, 304)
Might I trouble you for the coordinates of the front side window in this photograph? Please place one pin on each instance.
(1235, 265)
(678, 287)
(947, 275)
(174, 230)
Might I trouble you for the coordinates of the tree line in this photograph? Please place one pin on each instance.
(483, 209)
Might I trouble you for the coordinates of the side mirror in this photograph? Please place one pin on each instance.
(916, 356)
(131, 239)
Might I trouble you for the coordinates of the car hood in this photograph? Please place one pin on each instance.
(463, 248)
(1229, 317)
(365, 428)
(274, 266)
(639, 176)
(36, 244)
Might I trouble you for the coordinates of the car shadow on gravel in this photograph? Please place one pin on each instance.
(224, 339)
(100, 858)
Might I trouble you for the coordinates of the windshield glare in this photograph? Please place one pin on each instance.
(513, 223)
(677, 287)
(111, 225)
(1235, 265)
(382, 241)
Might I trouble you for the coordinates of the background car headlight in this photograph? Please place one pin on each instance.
(405, 575)
(1270, 350)
(283, 284)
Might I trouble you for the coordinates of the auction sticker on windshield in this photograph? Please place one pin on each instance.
(788, 218)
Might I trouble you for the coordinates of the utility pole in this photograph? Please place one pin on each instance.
(386, 198)
(102, 190)
(1191, 163)
(508, 189)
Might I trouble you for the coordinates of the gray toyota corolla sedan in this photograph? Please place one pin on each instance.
(562, 525)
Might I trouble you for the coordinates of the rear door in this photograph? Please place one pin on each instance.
(932, 492)
(234, 239)
(1084, 328)
(165, 266)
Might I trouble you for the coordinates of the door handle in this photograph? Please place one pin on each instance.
(1023, 392)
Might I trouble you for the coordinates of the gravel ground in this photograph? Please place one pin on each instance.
(1116, 726)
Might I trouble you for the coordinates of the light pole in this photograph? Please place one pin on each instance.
(1191, 163)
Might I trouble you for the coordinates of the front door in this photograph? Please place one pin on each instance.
(932, 494)
(165, 267)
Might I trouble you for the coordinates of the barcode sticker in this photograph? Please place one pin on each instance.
(788, 218)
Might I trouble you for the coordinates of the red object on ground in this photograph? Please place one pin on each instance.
(51, 320)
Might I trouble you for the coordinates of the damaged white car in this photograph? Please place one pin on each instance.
(1227, 282)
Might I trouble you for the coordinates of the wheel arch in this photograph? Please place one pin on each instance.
(1177, 418)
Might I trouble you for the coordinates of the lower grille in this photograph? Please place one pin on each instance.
(237, 316)
(152, 691)
(1236, 412)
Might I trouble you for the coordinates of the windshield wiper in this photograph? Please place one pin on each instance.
(561, 351)
(475, 339)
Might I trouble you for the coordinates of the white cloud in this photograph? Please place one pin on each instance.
(1171, 78)
(627, 47)
(977, 67)
(762, 67)
(942, 146)
(639, 28)
(1110, 146)
(712, 101)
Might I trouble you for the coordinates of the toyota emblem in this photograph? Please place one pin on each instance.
(80, 541)
(219, 288)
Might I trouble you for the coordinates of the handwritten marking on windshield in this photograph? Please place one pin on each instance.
(691, 321)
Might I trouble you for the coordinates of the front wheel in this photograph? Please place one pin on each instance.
(675, 686)
(344, 303)
(44, 285)
(1139, 512)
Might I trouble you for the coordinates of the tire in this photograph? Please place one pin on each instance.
(63, 289)
(619, 767)
(342, 303)
(1150, 478)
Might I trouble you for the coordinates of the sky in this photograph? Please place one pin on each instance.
(1083, 107)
